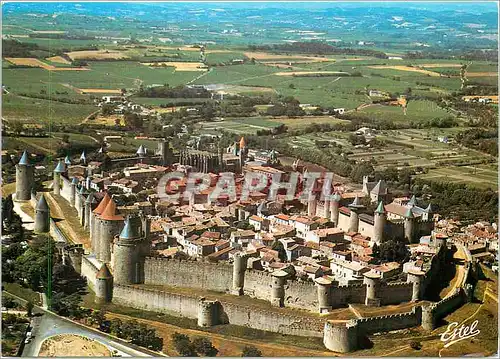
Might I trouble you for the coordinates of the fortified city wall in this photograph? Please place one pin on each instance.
(220, 312)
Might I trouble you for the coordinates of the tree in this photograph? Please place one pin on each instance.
(251, 351)
(133, 120)
(98, 317)
(65, 138)
(29, 308)
(17, 127)
(278, 246)
(204, 347)
(183, 345)
(375, 250)
(416, 345)
(393, 251)
(107, 109)
(115, 327)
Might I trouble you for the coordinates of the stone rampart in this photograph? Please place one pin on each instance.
(395, 293)
(279, 320)
(89, 271)
(188, 273)
(66, 189)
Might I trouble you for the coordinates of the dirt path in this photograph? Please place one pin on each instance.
(227, 345)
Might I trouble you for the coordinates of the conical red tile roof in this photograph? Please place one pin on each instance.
(109, 213)
(102, 205)
(104, 272)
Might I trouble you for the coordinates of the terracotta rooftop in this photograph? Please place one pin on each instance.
(104, 272)
(109, 213)
(102, 205)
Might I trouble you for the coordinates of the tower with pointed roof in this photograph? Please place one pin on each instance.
(104, 285)
(379, 220)
(94, 223)
(109, 224)
(427, 214)
(60, 169)
(127, 261)
(42, 216)
(409, 225)
(83, 158)
(67, 161)
(334, 208)
(355, 208)
(24, 178)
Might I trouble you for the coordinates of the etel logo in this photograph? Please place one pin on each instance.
(453, 334)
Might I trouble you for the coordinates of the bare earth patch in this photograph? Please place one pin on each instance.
(48, 32)
(97, 54)
(309, 73)
(179, 66)
(439, 65)
(58, 59)
(70, 345)
(407, 68)
(110, 91)
(267, 56)
(32, 62)
(482, 74)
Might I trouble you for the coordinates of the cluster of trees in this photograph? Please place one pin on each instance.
(198, 346)
(131, 330)
(460, 201)
(201, 346)
(44, 96)
(319, 48)
(290, 107)
(393, 250)
(484, 140)
(479, 55)
(439, 122)
(173, 92)
(14, 48)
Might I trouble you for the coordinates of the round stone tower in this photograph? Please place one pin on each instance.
(409, 226)
(278, 288)
(372, 282)
(80, 204)
(312, 204)
(416, 277)
(379, 223)
(109, 223)
(75, 256)
(72, 194)
(207, 313)
(60, 169)
(89, 203)
(341, 337)
(355, 207)
(239, 267)
(42, 216)
(104, 285)
(94, 223)
(428, 319)
(126, 254)
(324, 287)
(334, 208)
(24, 178)
(440, 240)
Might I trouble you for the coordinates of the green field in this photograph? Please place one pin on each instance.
(33, 110)
(416, 111)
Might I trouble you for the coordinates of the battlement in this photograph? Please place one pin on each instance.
(398, 284)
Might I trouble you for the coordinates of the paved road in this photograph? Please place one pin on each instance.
(48, 325)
